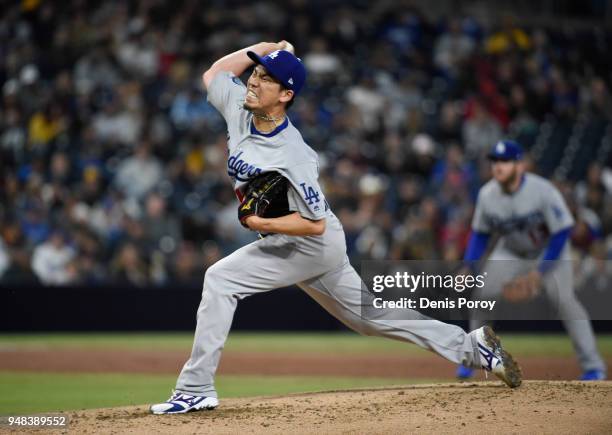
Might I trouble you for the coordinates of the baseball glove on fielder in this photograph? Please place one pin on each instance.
(265, 196)
(522, 289)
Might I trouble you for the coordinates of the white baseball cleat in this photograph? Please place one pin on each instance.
(180, 403)
(495, 359)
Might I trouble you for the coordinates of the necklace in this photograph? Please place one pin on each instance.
(268, 118)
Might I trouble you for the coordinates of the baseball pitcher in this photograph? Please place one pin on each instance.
(303, 244)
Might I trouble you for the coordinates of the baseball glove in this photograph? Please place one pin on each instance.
(265, 196)
(521, 289)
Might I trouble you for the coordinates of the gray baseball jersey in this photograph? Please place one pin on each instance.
(524, 219)
(317, 264)
(252, 153)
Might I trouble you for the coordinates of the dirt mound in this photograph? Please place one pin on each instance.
(482, 407)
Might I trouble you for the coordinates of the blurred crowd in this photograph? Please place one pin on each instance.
(112, 164)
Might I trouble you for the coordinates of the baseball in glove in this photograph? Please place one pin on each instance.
(265, 196)
(522, 288)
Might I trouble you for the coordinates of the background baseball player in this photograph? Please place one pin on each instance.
(534, 223)
(306, 247)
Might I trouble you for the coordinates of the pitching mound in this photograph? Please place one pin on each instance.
(483, 407)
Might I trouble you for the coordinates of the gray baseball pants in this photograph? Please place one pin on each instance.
(503, 265)
(320, 267)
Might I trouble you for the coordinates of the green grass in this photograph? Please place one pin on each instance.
(22, 392)
(46, 392)
(119, 340)
(552, 345)
(340, 343)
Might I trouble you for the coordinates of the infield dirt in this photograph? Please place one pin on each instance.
(557, 407)
(423, 366)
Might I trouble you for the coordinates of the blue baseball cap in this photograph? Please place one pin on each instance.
(506, 150)
(284, 67)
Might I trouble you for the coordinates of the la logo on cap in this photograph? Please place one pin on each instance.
(290, 81)
(500, 148)
(273, 54)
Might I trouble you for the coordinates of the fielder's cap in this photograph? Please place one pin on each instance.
(284, 67)
(506, 150)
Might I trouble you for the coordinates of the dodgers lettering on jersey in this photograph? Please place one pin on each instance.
(525, 223)
(524, 219)
(241, 170)
(251, 154)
